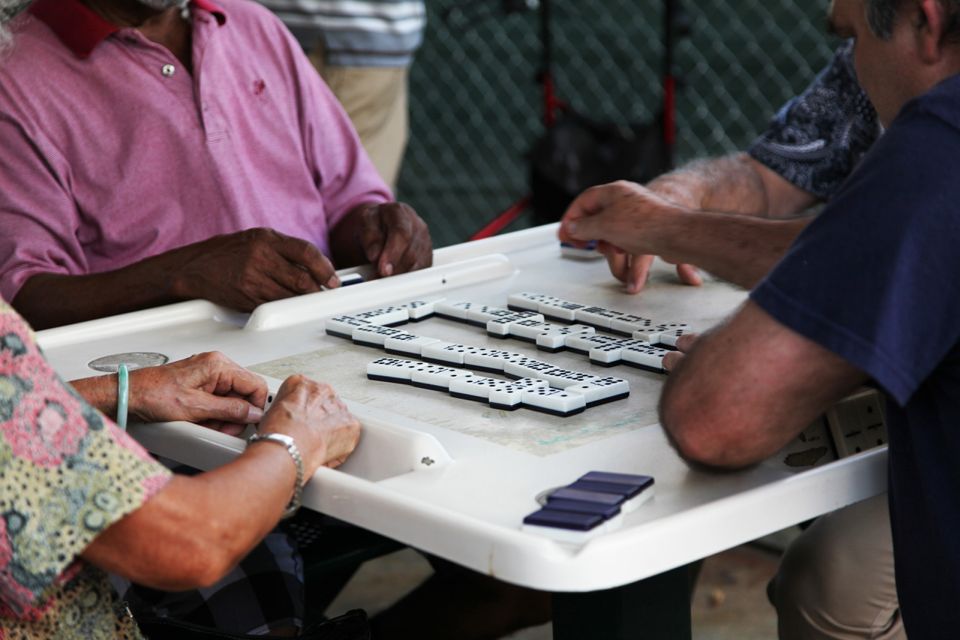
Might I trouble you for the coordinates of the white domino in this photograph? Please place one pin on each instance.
(385, 316)
(487, 359)
(500, 325)
(420, 309)
(606, 354)
(580, 343)
(524, 367)
(529, 329)
(392, 369)
(555, 339)
(455, 310)
(669, 333)
(408, 344)
(510, 396)
(476, 387)
(598, 316)
(446, 352)
(612, 352)
(374, 335)
(600, 390)
(481, 314)
(343, 326)
(563, 378)
(554, 401)
(526, 300)
(433, 376)
(559, 309)
(649, 357)
(627, 324)
(651, 335)
(516, 314)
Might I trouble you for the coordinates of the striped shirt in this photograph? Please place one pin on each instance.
(364, 33)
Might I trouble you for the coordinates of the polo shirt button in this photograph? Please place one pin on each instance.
(168, 70)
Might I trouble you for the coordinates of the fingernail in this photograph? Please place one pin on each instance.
(333, 282)
(388, 269)
(572, 228)
(254, 414)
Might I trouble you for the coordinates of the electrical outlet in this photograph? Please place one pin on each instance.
(857, 423)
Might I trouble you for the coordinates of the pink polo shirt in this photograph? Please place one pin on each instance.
(112, 151)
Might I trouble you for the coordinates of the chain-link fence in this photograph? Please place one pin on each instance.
(476, 106)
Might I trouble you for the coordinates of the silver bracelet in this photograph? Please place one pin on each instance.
(291, 446)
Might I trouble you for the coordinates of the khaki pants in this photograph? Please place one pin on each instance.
(836, 580)
(375, 98)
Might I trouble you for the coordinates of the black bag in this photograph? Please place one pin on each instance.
(352, 625)
(577, 153)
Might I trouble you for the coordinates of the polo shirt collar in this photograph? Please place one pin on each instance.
(81, 30)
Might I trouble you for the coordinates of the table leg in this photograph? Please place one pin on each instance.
(657, 608)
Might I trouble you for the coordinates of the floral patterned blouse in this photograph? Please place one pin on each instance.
(66, 474)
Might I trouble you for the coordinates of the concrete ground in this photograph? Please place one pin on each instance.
(730, 601)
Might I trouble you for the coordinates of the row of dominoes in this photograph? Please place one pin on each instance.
(596, 389)
(377, 327)
(627, 324)
(591, 505)
(532, 393)
(532, 327)
(343, 325)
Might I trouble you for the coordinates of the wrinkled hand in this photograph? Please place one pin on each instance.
(684, 344)
(311, 413)
(245, 269)
(623, 217)
(394, 238)
(209, 389)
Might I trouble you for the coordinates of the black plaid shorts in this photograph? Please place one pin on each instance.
(263, 593)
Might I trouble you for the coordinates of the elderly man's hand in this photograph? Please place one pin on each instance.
(245, 269)
(311, 413)
(394, 238)
(624, 217)
(684, 344)
(209, 389)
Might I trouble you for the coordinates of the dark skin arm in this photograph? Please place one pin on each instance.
(239, 270)
(391, 237)
(748, 388)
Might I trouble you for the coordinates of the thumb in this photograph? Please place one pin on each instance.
(586, 228)
(230, 409)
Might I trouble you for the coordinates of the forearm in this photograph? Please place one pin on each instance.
(733, 184)
(50, 300)
(197, 528)
(738, 249)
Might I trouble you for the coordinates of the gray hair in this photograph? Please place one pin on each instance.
(881, 15)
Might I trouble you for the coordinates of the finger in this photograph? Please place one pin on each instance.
(231, 410)
(234, 380)
(638, 272)
(672, 360)
(372, 233)
(313, 268)
(618, 263)
(686, 341)
(398, 227)
(589, 203)
(688, 274)
(419, 254)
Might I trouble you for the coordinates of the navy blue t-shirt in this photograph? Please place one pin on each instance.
(876, 280)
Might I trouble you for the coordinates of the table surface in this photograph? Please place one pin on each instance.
(455, 478)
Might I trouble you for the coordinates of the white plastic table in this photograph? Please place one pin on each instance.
(455, 478)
